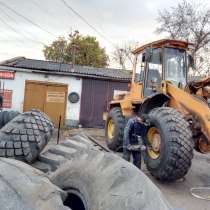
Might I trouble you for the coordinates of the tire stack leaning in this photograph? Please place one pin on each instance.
(25, 136)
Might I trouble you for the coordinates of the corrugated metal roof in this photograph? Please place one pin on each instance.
(49, 66)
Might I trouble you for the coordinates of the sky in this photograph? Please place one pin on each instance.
(119, 21)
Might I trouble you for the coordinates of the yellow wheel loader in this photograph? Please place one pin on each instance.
(178, 111)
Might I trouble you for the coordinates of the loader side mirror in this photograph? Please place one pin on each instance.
(191, 61)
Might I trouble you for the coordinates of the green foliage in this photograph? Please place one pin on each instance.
(55, 51)
(77, 49)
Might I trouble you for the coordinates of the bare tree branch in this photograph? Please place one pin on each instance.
(123, 55)
(188, 21)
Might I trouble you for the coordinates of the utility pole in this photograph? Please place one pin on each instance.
(74, 49)
(121, 58)
(61, 56)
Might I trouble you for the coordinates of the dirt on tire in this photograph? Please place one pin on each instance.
(176, 148)
(25, 136)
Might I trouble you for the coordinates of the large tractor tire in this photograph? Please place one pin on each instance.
(25, 136)
(115, 125)
(25, 188)
(170, 146)
(98, 180)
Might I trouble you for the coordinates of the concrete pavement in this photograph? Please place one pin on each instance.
(178, 193)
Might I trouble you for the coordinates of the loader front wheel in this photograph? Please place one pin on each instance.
(115, 125)
(169, 145)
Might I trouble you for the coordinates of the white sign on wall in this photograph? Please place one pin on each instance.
(55, 97)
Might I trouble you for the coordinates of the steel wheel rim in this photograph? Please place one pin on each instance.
(111, 129)
(154, 140)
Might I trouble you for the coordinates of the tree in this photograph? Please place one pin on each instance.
(123, 55)
(77, 49)
(191, 22)
(55, 51)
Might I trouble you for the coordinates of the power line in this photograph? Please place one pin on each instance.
(11, 28)
(36, 4)
(85, 21)
(45, 11)
(17, 40)
(14, 29)
(27, 19)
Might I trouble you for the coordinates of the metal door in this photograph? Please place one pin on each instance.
(50, 98)
(96, 94)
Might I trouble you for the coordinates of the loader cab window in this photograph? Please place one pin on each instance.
(154, 72)
(140, 67)
(175, 66)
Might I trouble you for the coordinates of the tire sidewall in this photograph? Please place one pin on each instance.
(84, 182)
(106, 181)
(153, 164)
(176, 150)
(114, 143)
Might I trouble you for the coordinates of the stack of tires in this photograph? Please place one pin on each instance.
(78, 175)
(25, 135)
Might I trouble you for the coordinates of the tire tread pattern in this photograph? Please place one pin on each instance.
(180, 150)
(25, 136)
(117, 142)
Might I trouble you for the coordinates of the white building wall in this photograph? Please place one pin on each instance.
(18, 87)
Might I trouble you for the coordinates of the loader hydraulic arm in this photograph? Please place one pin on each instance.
(194, 86)
(200, 88)
(190, 105)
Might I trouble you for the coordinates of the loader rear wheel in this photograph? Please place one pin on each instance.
(170, 146)
(115, 125)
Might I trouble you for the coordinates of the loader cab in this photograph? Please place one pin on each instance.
(175, 66)
(162, 60)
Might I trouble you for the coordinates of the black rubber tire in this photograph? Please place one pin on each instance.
(116, 143)
(6, 116)
(102, 180)
(176, 151)
(25, 136)
(23, 187)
